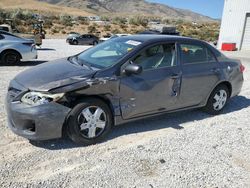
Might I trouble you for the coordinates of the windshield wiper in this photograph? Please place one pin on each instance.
(84, 63)
(75, 60)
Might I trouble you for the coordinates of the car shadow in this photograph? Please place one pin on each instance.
(171, 120)
(25, 63)
(45, 49)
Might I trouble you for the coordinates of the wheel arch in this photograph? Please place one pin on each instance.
(226, 83)
(81, 98)
(10, 50)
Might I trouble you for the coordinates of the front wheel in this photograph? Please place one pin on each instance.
(75, 42)
(89, 122)
(217, 100)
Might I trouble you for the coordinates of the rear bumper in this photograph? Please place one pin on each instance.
(42, 122)
(237, 84)
(28, 55)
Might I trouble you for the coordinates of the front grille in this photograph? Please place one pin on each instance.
(13, 93)
(15, 90)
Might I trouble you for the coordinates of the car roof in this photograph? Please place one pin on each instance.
(12, 35)
(4, 32)
(155, 37)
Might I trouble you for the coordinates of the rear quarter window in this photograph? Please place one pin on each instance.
(220, 56)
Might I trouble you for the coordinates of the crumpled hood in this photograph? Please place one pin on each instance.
(52, 75)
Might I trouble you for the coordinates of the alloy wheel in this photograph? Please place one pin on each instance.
(92, 122)
(220, 99)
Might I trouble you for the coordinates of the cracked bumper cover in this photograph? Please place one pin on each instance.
(41, 122)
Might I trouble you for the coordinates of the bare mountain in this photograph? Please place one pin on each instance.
(131, 7)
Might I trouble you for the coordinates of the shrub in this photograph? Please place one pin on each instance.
(48, 23)
(116, 31)
(54, 30)
(139, 21)
(119, 20)
(107, 27)
(105, 18)
(92, 28)
(66, 20)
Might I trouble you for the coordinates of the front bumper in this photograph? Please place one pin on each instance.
(42, 122)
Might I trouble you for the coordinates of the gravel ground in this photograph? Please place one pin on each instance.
(186, 149)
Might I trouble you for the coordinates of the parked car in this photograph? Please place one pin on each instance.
(37, 37)
(161, 29)
(72, 35)
(118, 81)
(86, 39)
(107, 37)
(14, 48)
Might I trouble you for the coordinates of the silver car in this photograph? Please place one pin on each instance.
(13, 49)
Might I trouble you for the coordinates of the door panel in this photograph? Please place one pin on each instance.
(200, 73)
(197, 82)
(156, 89)
(150, 92)
(83, 39)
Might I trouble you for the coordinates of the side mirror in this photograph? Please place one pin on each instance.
(133, 69)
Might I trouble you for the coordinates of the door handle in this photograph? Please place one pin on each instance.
(175, 76)
(215, 70)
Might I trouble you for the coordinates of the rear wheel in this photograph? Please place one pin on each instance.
(10, 58)
(217, 100)
(89, 122)
(95, 43)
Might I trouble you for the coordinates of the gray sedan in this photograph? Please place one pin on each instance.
(14, 48)
(118, 81)
(86, 39)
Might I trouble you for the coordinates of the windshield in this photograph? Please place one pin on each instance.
(108, 53)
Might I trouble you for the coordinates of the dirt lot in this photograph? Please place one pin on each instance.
(187, 149)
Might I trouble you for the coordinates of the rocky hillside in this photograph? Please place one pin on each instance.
(39, 7)
(130, 8)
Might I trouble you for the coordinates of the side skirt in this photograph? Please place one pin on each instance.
(119, 120)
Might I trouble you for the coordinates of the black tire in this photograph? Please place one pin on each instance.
(95, 43)
(73, 124)
(212, 107)
(75, 42)
(10, 58)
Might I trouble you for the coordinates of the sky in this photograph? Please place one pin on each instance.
(211, 8)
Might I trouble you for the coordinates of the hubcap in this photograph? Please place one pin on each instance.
(11, 58)
(220, 100)
(92, 121)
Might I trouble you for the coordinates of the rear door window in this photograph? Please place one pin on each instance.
(194, 54)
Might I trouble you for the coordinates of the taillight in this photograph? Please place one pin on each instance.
(242, 68)
(28, 43)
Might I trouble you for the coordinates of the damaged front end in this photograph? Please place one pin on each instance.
(41, 114)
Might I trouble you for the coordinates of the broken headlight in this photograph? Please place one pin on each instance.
(37, 98)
